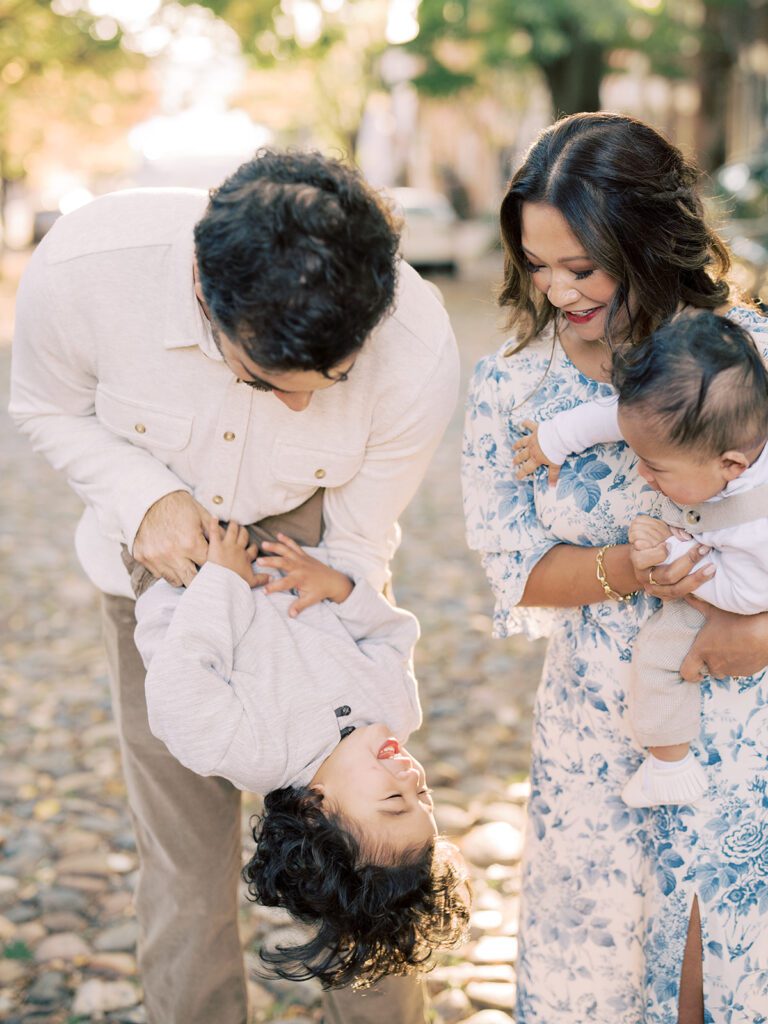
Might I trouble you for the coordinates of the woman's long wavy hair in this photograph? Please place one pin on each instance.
(373, 912)
(631, 199)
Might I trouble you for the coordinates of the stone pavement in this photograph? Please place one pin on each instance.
(67, 858)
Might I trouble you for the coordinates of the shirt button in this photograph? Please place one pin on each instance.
(140, 428)
(228, 435)
(319, 474)
(342, 711)
(217, 499)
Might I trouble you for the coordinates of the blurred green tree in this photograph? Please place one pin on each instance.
(569, 41)
(55, 67)
(572, 42)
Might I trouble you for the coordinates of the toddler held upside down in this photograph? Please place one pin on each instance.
(313, 710)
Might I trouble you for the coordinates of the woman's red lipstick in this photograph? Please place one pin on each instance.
(582, 316)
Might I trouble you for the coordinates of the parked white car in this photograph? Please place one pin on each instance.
(430, 230)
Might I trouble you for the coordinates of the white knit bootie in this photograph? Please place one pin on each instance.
(665, 782)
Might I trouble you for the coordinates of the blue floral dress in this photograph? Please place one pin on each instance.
(607, 890)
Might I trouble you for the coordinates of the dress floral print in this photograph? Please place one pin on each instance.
(608, 889)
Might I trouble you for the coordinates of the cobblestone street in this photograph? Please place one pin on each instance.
(67, 858)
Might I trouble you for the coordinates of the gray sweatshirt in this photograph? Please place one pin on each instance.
(237, 688)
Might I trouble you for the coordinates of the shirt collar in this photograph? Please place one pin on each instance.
(186, 325)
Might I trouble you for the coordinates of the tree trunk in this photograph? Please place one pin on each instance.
(715, 63)
(574, 79)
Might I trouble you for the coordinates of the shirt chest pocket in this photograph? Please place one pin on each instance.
(315, 467)
(142, 424)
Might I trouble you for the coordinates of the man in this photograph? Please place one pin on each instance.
(178, 355)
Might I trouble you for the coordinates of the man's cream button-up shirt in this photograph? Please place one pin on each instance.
(117, 380)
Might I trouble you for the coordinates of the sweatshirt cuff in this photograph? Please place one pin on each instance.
(221, 586)
(360, 608)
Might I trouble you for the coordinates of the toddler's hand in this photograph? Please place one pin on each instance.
(646, 532)
(229, 548)
(313, 580)
(529, 455)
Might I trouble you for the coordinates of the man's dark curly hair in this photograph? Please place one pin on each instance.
(297, 260)
(375, 913)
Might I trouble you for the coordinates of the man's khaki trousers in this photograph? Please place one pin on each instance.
(188, 839)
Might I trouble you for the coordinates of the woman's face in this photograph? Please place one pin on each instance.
(562, 270)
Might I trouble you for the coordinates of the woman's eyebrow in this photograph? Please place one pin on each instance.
(565, 259)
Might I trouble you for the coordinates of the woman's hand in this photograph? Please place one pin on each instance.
(673, 580)
(727, 645)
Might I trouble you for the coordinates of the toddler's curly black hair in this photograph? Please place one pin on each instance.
(370, 919)
(297, 260)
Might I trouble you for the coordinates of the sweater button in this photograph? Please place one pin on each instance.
(140, 428)
(217, 499)
(319, 474)
(692, 516)
(228, 435)
(343, 711)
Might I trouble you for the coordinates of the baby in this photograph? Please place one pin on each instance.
(693, 405)
(311, 710)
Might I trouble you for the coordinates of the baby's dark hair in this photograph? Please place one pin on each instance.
(375, 912)
(701, 377)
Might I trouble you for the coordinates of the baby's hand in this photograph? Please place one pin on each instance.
(530, 456)
(230, 549)
(646, 532)
(313, 580)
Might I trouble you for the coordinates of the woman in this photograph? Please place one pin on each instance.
(604, 238)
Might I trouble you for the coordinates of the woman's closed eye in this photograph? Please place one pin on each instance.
(579, 275)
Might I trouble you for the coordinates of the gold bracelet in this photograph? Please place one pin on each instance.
(602, 579)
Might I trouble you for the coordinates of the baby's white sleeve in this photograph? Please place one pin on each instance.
(575, 430)
(740, 583)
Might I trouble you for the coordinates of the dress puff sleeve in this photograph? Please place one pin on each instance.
(501, 518)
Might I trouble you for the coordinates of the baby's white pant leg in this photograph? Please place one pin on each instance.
(663, 708)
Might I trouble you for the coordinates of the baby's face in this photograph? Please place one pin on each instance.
(375, 784)
(675, 471)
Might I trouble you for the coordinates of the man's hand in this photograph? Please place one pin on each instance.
(229, 547)
(171, 539)
(313, 580)
(529, 455)
(646, 532)
(673, 580)
(727, 644)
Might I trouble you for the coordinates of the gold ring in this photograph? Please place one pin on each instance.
(651, 581)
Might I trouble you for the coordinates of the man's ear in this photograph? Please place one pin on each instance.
(733, 464)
